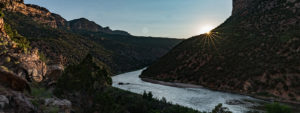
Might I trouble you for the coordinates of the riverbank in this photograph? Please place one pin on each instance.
(180, 85)
(192, 96)
(184, 85)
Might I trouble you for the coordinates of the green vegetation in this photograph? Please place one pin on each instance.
(43, 57)
(87, 76)
(7, 59)
(52, 109)
(1, 10)
(220, 109)
(40, 92)
(21, 41)
(148, 96)
(278, 108)
(3, 68)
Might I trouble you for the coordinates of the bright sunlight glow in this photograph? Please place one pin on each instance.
(206, 29)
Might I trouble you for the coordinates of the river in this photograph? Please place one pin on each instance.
(197, 98)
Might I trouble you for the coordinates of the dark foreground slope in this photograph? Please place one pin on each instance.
(68, 42)
(255, 51)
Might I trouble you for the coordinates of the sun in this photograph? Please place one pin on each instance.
(206, 29)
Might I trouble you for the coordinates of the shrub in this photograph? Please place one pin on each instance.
(2, 5)
(164, 100)
(41, 93)
(21, 41)
(53, 109)
(3, 68)
(277, 108)
(148, 96)
(7, 59)
(1, 14)
(87, 77)
(42, 57)
(220, 109)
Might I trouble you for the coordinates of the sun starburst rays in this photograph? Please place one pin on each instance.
(210, 39)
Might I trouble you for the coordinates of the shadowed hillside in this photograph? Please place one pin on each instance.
(255, 51)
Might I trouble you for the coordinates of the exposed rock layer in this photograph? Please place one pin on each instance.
(26, 65)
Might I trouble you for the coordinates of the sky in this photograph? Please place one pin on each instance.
(159, 18)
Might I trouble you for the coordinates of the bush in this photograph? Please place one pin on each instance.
(1, 14)
(42, 57)
(220, 109)
(88, 76)
(21, 41)
(2, 5)
(7, 59)
(148, 96)
(277, 108)
(41, 93)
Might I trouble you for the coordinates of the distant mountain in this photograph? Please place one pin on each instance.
(86, 25)
(68, 42)
(255, 51)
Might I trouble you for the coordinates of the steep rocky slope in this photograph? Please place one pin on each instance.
(20, 67)
(39, 14)
(255, 51)
(70, 41)
(24, 62)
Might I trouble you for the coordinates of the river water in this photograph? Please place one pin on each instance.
(197, 98)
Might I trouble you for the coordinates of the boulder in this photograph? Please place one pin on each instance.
(13, 81)
(64, 105)
(3, 101)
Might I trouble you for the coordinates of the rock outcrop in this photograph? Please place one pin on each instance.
(25, 65)
(241, 6)
(15, 102)
(39, 14)
(255, 51)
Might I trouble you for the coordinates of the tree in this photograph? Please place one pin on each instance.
(220, 109)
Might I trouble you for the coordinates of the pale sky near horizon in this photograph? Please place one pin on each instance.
(159, 18)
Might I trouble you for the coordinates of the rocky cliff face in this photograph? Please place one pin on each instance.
(19, 67)
(39, 14)
(255, 51)
(240, 6)
(25, 65)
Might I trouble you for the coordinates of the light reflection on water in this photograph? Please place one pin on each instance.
(197, 98)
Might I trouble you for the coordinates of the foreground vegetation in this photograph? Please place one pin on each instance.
(277, 108)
